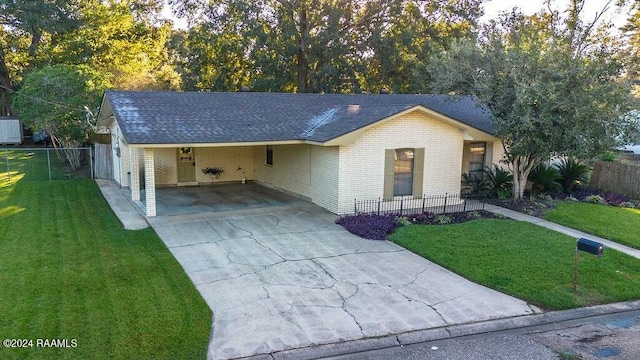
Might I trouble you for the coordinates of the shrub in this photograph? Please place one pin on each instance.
(374, 227)
(475, 185)
(403, 221)
(443, 219)
(573, 174)
(571, 198)
(505, 194)
(545, 197)
(544, 178)
(425, 218)
(475, 215)
(614, 199)
(583, 193)
(609, 156)
(595, 199)
(499, 180)
(628, 205)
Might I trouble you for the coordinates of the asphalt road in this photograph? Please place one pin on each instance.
(615, 336)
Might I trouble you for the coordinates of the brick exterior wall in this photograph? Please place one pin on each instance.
(498, 154)
(227, 158)
(165, 166)
(149, 182)
(135, 174)
(361, 174)
(306, 170)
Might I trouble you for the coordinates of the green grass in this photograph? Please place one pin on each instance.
(613, 223)
(68, 270)
(526, 261)
(32, 164)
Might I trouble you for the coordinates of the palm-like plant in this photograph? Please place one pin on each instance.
(499, 180)
(544, 178)
(573, 174)
(476, 185)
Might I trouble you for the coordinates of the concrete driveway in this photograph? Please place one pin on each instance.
(288, 277)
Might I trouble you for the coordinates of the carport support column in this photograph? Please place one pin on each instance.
(150, 182)
(134, 168)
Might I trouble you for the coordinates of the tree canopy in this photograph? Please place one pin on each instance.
(54, 98)
(552, 80)
(550, 90)
(332, 46)
(123, 38)
(24, 26)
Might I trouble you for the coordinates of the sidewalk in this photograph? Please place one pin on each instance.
(128, 213)
(561, 229)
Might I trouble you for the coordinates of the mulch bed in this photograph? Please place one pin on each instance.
(536, 207)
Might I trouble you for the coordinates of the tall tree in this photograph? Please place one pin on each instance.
(631, 52)
(126, 39)
(398, 47)
(24, 24)
(54, 98)
(550, 89)
(316, 45)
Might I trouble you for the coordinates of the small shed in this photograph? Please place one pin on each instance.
(10, 131)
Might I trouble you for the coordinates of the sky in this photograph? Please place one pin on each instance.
(494, 7)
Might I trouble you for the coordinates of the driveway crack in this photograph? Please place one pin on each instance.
(415, 278)
(344, 300)
(432, 307)
(189, 245)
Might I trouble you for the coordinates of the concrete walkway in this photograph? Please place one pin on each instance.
(561, 229)
(129, 214)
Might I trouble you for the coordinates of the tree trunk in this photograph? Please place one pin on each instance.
(521, 167)
(301, 56)
(519, 184)
(35, 43)
(6, 109)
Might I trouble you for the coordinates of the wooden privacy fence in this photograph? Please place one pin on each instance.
(103, 162)
(617, 177)
(438, 204)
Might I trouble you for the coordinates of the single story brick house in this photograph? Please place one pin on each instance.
(326, 148)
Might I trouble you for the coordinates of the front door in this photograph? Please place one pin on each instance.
(186, 165)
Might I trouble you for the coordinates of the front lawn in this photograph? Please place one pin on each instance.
(618, 224)
(526, 261)
(68, 270)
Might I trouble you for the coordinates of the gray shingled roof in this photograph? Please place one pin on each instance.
(209, 117)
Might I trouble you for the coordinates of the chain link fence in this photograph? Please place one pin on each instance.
(46, 163)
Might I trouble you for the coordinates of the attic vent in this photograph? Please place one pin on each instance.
(384, 91)
(245, 89)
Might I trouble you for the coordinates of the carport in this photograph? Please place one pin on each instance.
(182, 200)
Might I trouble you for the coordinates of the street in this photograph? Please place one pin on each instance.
(615, 336)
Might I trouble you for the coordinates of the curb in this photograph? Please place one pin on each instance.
(447, 332)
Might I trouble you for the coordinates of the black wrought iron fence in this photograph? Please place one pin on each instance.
(438, 204)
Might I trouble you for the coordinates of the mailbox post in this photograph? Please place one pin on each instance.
(586, 245)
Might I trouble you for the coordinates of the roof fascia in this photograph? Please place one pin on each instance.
(105, 117)
(226, 144)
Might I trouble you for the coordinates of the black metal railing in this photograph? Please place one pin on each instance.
(438, 204)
